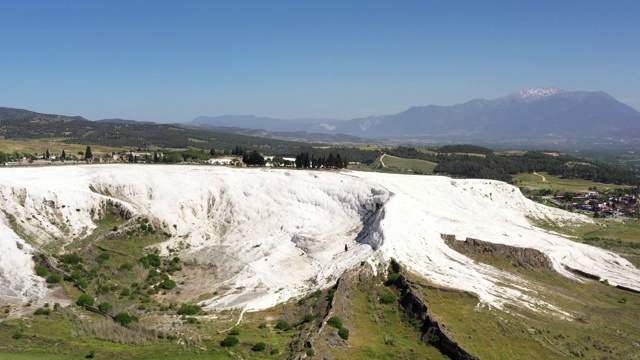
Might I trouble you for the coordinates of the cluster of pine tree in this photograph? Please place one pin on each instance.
(238, 151)
(465, 149)
(303, 160)
(253, 158)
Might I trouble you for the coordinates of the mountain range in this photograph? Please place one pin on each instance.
(537, 113)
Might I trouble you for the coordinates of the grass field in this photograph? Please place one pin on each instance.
(370, 147)
(55, 146)
(602, 321)
(622, 237)
(378, 330)
(543, 180)
(409, 165)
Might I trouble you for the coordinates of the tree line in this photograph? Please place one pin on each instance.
(306, 161)
(477, 162)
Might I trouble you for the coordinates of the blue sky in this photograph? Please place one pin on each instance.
(175, 60)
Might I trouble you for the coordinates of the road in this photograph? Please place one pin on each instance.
(382, 162)
(544, 179)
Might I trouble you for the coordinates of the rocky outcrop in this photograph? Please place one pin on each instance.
(621, 287)
(583, 273)
(432, 331)
(518, 256)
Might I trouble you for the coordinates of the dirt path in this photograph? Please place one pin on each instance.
(544, 179)
(382, 162)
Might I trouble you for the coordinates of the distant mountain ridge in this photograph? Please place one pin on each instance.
(536, 113)
(11, 113)
(264, 123)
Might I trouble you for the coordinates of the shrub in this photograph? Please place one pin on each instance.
(152, 274)
(126, 266)
(104, 306)
(275, 351)
(42, 311)
(234, 331)
(41, 271)
(391, 280)
(331, 294)
(192, 320)
(154, 260)
(104, 256)
(85, 299)
(259, 347)
(335, 321)
(230, 341)
(309, 318)
(310, 352)
(189, 310)
(123, 318)
(168, 284)
(16, 335)
(388, 298)
(282, 325)
(53, 279)
(82, 283)
(344, 333)
(72, 259)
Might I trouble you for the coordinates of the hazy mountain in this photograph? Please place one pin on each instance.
(538, 113)
(304, 136)
(124, 121)
(265, 123)
(532, 113)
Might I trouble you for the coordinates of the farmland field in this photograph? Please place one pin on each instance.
(543, 180)
(55, 145)
(410, 165)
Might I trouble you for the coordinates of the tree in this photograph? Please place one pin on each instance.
(88, 154)
(167, 284)
(277, 161)
(212, 152)
(261, 346)
(282, 325)
(230, 341)
(253, 159)
(47, 154)
(53, 279)
(72, 259)
(344, 333)
(63, 156)
(189, 310)
(85, 299)
(123, 318)
(388, 297)
(335, 321)
(104, 306)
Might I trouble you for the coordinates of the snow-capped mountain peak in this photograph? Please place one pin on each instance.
(535, 93)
